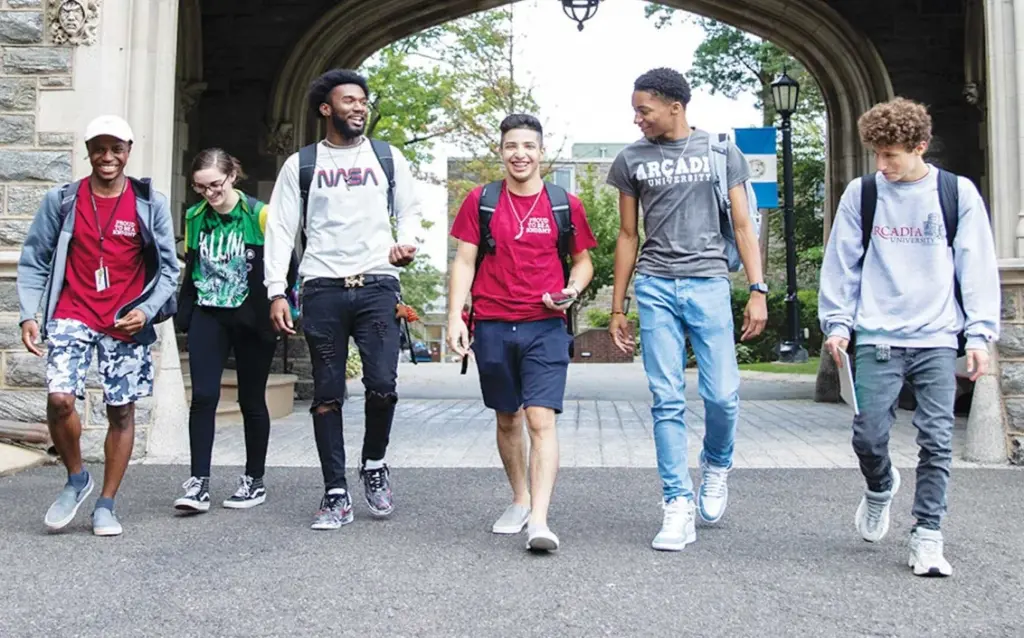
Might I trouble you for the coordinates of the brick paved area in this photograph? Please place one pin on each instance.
(460, 433)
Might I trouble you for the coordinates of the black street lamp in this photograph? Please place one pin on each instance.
(786, 93)
(587, 7)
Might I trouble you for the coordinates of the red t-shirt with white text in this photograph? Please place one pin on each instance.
(122, 255)
(511, 282)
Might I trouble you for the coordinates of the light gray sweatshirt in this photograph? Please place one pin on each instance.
(902, 293)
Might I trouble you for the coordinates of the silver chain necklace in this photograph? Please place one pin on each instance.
(522, 221)
(359, 150)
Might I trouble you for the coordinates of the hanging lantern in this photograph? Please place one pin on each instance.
(580, 10)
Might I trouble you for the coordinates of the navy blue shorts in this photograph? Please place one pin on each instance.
(522, 364)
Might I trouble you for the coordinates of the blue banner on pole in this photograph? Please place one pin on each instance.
(758, 145)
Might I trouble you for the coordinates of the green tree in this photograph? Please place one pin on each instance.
(454, 82)
(602, 206)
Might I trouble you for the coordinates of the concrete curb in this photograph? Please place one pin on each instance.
(14, 459)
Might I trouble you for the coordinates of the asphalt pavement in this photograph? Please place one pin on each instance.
(785, 561)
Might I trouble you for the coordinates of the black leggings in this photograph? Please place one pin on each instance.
(210, 335)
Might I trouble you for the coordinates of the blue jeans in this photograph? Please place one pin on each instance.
(932, 373)
(670, 311)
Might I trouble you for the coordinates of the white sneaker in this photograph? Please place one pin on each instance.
(926, 553)
(872, 517)
(513, 520)
(678, 528)
(541, 539)
(714, 492)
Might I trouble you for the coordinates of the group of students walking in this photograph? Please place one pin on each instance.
(910, 269)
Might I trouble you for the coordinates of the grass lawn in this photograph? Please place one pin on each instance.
(811, 367)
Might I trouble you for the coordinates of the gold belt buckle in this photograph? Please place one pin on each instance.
(356, 281)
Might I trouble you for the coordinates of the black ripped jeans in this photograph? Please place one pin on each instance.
(331, 313)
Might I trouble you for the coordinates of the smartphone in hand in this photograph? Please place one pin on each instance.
(562, 299)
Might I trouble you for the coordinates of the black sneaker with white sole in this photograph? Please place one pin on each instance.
(250, 493)
(197, 495)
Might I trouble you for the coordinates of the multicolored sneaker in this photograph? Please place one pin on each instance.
(335, 510)
(378, 491)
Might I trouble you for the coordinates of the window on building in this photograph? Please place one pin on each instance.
(562, 176)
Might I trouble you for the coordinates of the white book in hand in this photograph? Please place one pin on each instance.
(846, 388)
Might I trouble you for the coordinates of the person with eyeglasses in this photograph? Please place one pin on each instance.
(223, 308)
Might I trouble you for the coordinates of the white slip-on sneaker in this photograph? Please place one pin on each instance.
(541, 539)
(513, 520)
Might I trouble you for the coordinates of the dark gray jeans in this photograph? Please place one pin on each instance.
(931, 373)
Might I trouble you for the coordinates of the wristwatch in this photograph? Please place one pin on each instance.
(759, 287)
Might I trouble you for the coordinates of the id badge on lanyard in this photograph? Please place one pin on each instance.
(102, 278)
(102, 274)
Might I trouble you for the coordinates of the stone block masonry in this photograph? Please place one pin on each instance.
(1011, 365)
(32, 161)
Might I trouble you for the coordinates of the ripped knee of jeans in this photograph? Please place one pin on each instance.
(379, 399)
(324, 406)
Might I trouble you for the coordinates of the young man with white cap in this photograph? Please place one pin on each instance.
(99, 264)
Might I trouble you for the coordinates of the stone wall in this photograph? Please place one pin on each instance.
(1011, 360)
(31, 161)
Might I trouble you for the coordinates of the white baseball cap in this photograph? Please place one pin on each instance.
(110, 125)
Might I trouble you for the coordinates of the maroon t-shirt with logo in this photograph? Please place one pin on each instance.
(511, 282)
(122, 255)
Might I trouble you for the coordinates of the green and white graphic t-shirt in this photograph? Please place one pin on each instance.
(221, 275)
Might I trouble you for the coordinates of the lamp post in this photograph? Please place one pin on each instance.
(786, 93)
(580, 10)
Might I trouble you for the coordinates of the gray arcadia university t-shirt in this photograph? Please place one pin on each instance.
(672, 182)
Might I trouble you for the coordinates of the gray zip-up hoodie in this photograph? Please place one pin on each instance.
(902, 294)
(45, 253)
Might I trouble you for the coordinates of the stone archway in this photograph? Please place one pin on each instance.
(847, 66)
(189, 86)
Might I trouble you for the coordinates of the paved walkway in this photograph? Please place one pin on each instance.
(460, 433)
(784, 562)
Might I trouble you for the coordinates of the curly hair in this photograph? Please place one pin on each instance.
(321, 87)
(668, 84)
(898, 122)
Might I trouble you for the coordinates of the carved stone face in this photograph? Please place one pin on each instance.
(71, 16)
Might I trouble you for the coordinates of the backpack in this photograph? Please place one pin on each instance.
(307, 166)
(718, 158)
(559, 199)
(949, 202)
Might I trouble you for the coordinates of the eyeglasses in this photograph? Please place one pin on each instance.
(214, 187)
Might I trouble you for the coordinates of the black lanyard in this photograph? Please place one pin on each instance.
(96, 213)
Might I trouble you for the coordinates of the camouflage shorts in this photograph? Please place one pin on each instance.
(126, 369)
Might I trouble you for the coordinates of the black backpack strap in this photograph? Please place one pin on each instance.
(488, 203)
(489, 196)
(563, 218)
(387, 162)
(868, 202)
(559, 199)
(949, 202)
(307, 165)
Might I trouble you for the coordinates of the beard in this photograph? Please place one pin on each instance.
(342, 126)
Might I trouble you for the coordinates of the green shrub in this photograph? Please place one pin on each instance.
(353, 365)
(763, 347)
